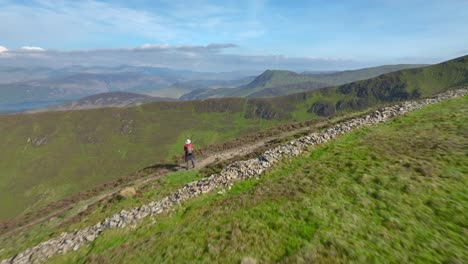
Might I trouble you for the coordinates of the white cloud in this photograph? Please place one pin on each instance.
(66, 23)
(199, 58)
(153, 46)
(211, 48)
(92, 23)
(32, 48)
(3, 49)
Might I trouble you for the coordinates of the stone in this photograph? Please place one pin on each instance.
(127, 192)
(91, 237)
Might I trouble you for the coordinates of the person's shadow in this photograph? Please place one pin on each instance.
(163, 166)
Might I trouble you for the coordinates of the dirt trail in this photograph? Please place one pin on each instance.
(244, 149)
(214, 157)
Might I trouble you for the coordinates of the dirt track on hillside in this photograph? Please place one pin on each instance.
(213, 156)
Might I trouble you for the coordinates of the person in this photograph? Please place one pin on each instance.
(189, 153)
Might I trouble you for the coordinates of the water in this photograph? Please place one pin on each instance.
(21, 107)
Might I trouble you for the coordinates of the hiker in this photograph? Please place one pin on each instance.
(189, 153)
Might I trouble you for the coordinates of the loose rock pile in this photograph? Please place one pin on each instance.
(239, 170)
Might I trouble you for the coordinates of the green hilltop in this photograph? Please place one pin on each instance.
(50, 156)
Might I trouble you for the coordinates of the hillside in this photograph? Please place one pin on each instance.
(402, 201)
(279, 82)
(111, 99)
(95, 146)
(398, 196)
(342, 77)
(401, 85)
(288, 89)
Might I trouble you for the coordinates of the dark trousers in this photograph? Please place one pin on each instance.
(190, 158)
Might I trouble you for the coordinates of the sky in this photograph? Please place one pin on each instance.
(232, 35)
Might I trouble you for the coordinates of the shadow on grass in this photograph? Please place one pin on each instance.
(159, 166)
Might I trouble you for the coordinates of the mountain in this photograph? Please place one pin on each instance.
(269, 78)
(178, 89)
(78, 85)
(111, 99)
(49, 156)
(41, 84)
(279, 82)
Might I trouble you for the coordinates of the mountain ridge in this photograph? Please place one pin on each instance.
(282, 82)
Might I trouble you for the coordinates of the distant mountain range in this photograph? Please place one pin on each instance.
(279, 82)
(41, 84)
(23, 88)
(269, 84)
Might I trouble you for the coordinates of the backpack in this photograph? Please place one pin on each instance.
(189, 149)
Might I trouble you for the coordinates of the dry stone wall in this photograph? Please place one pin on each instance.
(239, 170)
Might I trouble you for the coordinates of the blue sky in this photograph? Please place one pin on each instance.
(257, 33)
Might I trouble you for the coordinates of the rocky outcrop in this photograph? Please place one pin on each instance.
(239, 170)
(39, 141)
(126, 126)
(322, 108)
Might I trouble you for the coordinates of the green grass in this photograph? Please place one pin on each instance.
(69, 163)
(86, 148)
(68, 222)
(392, 193)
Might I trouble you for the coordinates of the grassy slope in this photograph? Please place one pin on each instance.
(343, 77)
(86, 148)
(398, 196)
(72, 220)
(68, 222)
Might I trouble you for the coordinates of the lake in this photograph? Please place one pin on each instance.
(21, 107)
